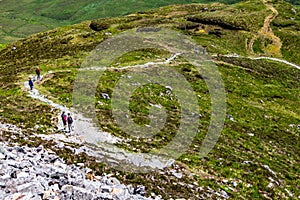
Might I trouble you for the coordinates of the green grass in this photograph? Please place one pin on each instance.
(287, 30)
(2, 46)
(62, 88)
(259, 98)
(20, 19)
(27, 114)
(262, 96)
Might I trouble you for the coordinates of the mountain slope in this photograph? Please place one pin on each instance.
(19, 19)
(257, 153)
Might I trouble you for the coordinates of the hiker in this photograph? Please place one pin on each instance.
(204, 50)
(30, 82)
(64, 119)
(38, 73)
(70, 121)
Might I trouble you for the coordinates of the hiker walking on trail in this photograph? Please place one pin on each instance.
(64, 119)
(38, 73)
(30, 82)
(70, 121)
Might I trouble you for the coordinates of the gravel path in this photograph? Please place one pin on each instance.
(86, 132)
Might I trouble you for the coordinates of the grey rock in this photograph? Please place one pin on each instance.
(20, 150)
(24, 187)
(224, 194)
(140, 189)
(177, 174)
(13, 174)
(67, 188)
(57, 175)
(24, 164)
(106, 188)
(113, 181)
(105, 95)
(34, 173)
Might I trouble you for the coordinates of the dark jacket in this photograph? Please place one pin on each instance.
(70, 120)
(30, 82)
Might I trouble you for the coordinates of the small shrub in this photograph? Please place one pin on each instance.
(99, 25)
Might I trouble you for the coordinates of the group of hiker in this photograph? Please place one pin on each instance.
(38, 77)
(67, 120)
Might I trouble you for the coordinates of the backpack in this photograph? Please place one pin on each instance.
(70, 120)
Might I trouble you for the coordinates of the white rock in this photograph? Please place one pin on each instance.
(268, 168)
(24, 187)
(22, 175)
(169, 87)
(177, 174)
(47, 194)
(55, 187)
(250, 134)
(289, 193)
(224, 194)
(105, 95)
(117, 191)
(234, 183)
(247, 162)
(270, 185)
(230, 118)
(2, 156)
(113, 181)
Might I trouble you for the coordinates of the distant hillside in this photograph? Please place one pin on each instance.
(21, 18)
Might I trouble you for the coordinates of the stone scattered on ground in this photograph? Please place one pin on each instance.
(35, 173)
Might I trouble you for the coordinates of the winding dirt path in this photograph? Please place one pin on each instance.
(86, 132)
(261, 58)
(98, 143)
(266, 33)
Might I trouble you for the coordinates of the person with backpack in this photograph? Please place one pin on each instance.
(70, 121)
(64, 119)
(30, 82)
(38, 73)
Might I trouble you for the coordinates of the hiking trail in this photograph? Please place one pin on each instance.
(86, 132)
(266, 33)
(98, 143)
(261, 58)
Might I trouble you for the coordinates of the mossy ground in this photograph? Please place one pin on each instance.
(262, 97)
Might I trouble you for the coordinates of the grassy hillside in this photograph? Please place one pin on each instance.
(19, 19)
(262, 96)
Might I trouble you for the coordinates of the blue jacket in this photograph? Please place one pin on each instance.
(30, 82)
